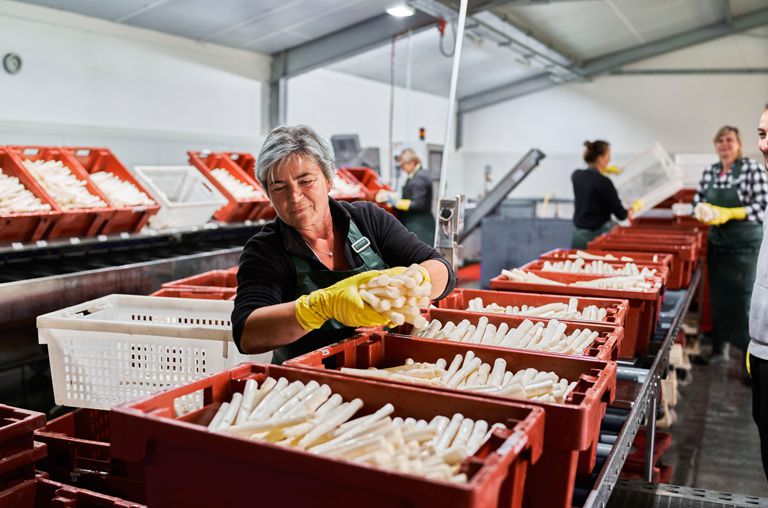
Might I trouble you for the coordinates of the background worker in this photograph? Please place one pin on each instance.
(757, 357)
(298, 277)
(595, 196)
(731, 198)
(415, 205)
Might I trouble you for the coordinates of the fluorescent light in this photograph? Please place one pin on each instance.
(400, 11)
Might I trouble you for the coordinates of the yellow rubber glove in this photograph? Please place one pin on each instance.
(341, 302)
(726, 214)
(749, 369)
(612, 170)
(402, 204)
(637, 205)
(399, 270)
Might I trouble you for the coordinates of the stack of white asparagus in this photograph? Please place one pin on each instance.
(16, 198)
(400, 297)
(533, 337)
(597, 266)
(580, 254)
(66, 189)
(313, 418)
(239, 189)
(624, 283)
(468, 372)
(120, 192)
(559, 310)
(342, 187)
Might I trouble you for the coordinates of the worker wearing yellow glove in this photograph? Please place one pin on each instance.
(341, 302)
(731, 199)
(414, 206)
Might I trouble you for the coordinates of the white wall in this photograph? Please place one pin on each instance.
(336, 103)
(681, 112)
(147, 95)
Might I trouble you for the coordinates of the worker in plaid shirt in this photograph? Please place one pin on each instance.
(731, 199)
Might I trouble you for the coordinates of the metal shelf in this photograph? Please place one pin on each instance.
(644, 404)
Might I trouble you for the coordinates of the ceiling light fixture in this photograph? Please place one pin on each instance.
(400, 11)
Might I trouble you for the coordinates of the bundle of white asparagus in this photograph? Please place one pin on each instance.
(239, 189)
(313, 418)
(399, 297)
(624, 283)
(533, 337)
(607, 257)
(66, 189)
(559, 310)
(120, 192)
(597, 266)
(16, 198)
(469, 373)
(342, 187)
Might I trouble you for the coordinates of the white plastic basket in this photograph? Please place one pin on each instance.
(186, 196)
(650, 177)
(122, 347)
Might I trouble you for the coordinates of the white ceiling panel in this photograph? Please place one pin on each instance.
(110, 10)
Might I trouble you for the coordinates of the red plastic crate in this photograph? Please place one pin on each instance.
(244, 161)
(126, 218)
(76, 222)
(26, 226)
(646, 258)
(360, 195)
(642, 317)
(183, 460)
(44, 493)
(17, 427)
(459, 298)
(20, 467)
(682, 196)
(369, 180)
(197, 293)
(665, 233)
(238, 209)
(605, 347)
(211, 279)
(684, 251)
(571, 429)
(662, 272)
(78, 452)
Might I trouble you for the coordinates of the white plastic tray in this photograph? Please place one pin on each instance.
(186, 196)
(651, 177)
(122, 347)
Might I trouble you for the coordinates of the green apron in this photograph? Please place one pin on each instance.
(308, 280)
(581, 237)
(732, 261)
(422, 224)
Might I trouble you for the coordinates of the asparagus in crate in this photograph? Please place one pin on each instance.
(121, 192)
(596, 267)
(16, 198)
(624, 283)
(239, 189)
(470, 373)
(551, 310)
(342, 187)
(313, 418)
(66, 189)
(530, 336)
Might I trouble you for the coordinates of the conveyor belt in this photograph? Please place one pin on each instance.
(630, 494)
(39, 278)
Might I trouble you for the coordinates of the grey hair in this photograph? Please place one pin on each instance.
(285, 142)
(409, 155)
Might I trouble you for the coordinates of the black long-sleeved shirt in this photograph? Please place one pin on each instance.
(595, 199)
(418, 188)
(267, 275)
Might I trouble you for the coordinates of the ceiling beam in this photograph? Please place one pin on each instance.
(344, 43)
(688, 72)
(613, 61)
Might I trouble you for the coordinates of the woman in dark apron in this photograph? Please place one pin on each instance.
(731, 199)
(595, 196)
(298, 277)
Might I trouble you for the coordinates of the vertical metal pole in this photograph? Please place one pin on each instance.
(650, 432)
(452, 102)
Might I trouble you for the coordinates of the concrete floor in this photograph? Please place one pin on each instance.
(715, 443)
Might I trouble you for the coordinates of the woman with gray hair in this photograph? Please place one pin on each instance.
(298, 277)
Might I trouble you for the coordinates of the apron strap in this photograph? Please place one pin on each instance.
(362, 245)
